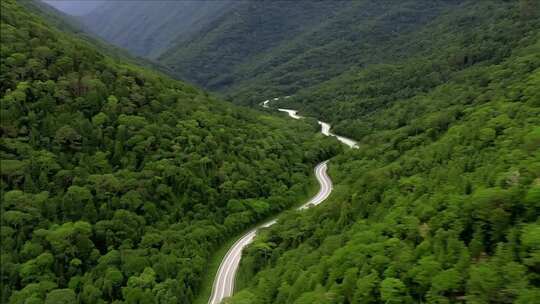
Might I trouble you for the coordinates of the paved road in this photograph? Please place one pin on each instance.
(325, 127)
(224, 282)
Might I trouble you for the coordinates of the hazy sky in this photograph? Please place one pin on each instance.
(74, 7)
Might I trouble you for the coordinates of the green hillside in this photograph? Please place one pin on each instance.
(213, 57)
(275, 48)
(440, 204)
(476, 35)
(73, 25)
(118, 182)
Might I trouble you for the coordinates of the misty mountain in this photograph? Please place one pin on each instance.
(75, 7)
(146, 28)
(251, 49)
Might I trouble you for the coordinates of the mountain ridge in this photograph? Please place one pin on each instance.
(148, 28)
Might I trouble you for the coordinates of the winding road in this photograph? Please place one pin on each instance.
(325, 127)
(224, 282)
(225, 277)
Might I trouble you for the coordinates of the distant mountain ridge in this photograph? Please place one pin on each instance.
(146, 28)
(251, 49)
(75, 7)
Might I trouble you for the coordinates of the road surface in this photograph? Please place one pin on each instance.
(325, 127)
(224, 282)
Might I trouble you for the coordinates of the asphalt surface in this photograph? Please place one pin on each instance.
(224, 281)
(325, 127)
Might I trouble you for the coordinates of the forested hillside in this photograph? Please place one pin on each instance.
(475, 35)
(275, 48)
(148, 28)
(440, 203)
(117, 182)
(246, 43)
(73, 25)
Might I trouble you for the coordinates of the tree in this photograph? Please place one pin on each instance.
(67, 138)
(90, 294)
(528, 8)
(61, 296)
(444, 283)
(367, 289)
(112, 281)
(75, 203)
(394, 291)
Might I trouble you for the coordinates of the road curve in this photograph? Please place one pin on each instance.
(224, 281)
(325, 127)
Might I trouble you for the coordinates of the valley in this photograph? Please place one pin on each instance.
(138, 165)
(223, 286)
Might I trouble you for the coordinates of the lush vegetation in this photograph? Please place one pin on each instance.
(275, 48)
(73, 25)
(475, 35)
(117, 182)
(249, 34)
(441, 202)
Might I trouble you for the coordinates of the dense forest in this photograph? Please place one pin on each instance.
(362, 33)
(246, 42)
(253, 49)
(475, 35)
(275, 48)
(117, 182)
(440, 203)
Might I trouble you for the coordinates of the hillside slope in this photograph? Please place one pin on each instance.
(117, 182)
(73, 25)
(147, 28)
(213, 56)
(275, 48)
(75, 7)
(473, 35)
(441, 202)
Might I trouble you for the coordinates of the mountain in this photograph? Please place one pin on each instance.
(72, 24)
(119, 182)
(441, 202)
(266, 47)
(147, 28)
(248, 50)
(75, 7)
(417, 62)
(273, 48)
(252, 35)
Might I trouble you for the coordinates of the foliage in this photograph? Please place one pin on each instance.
(454, 47)
(276, 48)
(118, 182)
(440, 204)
